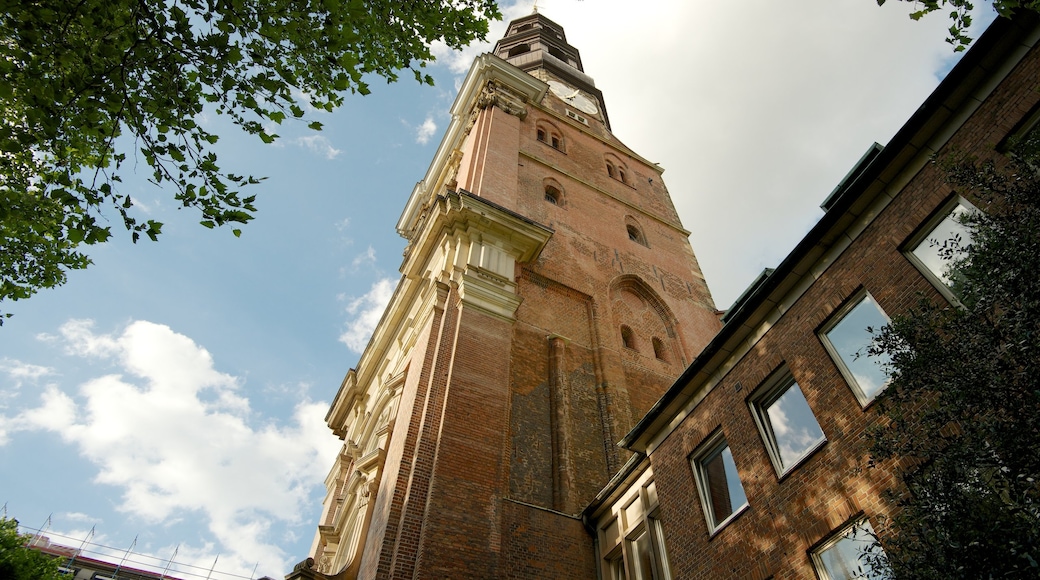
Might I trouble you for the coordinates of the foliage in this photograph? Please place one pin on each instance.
(90, 87)
(960, 14)
(17, 562)
(964, 401)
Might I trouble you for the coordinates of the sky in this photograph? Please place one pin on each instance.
(172, 396)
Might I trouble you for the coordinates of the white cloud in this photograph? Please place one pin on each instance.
(20, 372)
(365, 313)
(756, 109)
(180, 439)
(425, 131)
(318, 144)
(366, 257)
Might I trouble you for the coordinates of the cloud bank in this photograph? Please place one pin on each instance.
(180, 439)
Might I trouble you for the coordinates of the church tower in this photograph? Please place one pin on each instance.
(549, 296)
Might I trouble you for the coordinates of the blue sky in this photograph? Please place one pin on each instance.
(176, 391)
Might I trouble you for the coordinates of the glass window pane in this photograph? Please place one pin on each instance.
(854, 555)
(644, 557)
(851, 342)
(936, 251)
(793, 426)
(725, 492)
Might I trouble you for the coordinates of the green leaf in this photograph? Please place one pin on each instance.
(315, 125)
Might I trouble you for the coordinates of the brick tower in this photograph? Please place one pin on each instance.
(549, 296)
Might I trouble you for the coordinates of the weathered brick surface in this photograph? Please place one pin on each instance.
(787, 517)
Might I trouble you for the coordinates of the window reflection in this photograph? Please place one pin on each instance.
(787, 423)
(944, 245)
(850, 341)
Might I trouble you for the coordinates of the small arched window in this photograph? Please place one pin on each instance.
(634, 234)
(610, 169)
(621, 175)
(659, 350)
(628, 338)
(550, 135)
(552, 195)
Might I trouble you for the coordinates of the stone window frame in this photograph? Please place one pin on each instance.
(847, 532)
(771, 391)
(712, 447)
(634, 516)
(835, 320)
(921, 236)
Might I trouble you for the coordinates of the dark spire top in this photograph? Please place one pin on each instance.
(534, 41)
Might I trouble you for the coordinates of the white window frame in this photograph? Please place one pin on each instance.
(816, 555)
(709, 448)
(923, 233)
(836, 319)
(775, 386)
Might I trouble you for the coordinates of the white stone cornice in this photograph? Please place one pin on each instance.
(477, 245)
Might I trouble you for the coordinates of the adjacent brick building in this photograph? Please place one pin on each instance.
(754, 464)
(549, 299)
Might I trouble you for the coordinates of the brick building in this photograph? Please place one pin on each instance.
(549, 296)
(549, 299)
(754, 464)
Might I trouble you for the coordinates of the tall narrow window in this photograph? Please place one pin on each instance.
(849, 338)
(852, 554)
(555, 142)
(541, 135)
(659, 351)
(787, 424)
(627, 337)
(722, 494)
(621, 175)
(610, 170)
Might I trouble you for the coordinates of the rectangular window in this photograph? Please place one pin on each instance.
(616, 566)
(787, 424)
(852, 554)
(722, 494)
(848, 339)
(940, 244)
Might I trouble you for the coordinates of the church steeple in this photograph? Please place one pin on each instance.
(538, 46)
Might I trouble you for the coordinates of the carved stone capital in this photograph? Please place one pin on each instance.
(498, 95)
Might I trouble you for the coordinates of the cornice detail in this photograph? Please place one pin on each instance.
(476, 245)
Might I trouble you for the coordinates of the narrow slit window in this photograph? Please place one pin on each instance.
(628, 338)
(659, 350)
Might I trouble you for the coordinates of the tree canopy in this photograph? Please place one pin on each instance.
(960, 14)
(963, 405)
(18, 562)
(91, 86)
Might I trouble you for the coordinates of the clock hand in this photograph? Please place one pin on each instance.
(574, 94)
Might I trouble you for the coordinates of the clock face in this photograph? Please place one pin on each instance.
(574, 97)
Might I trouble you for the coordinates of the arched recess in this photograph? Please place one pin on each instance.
(635, 231)
(554, 192)
(637, 306)
(616, 168)
(550, 134)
